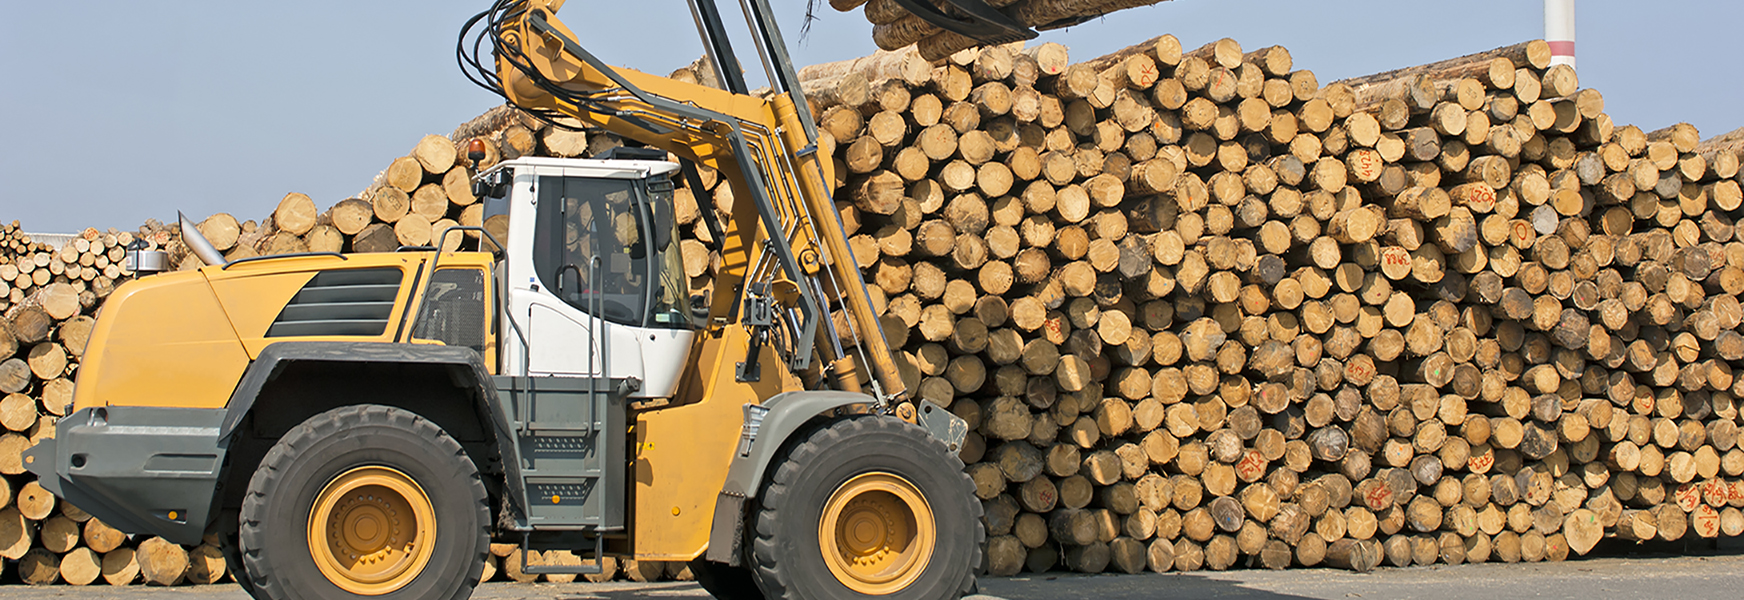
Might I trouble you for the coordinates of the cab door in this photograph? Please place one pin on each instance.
(600, 298)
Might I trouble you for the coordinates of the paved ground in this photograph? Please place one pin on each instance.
(1681, 578)
(1718, 576)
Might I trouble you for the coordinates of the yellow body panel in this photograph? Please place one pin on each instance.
(458, 260)
(185, 339)
(252, 302)
(161, 341)
(682, 451)
(254, 293)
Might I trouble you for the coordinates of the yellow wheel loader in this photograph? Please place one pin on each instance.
(365, 425)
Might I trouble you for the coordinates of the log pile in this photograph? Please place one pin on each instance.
(1200, 310)
(92, 261)
(410, 203)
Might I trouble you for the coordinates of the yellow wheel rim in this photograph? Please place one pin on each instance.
(372, 530)
(877, 533)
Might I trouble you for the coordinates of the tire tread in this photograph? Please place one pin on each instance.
(775, 580)
(270, 475)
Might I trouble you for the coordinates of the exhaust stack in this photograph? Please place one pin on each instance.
(197, 242)
(1559, 31)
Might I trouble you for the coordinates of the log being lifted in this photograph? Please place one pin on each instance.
(1031, 13)
(905, 65)
(935, 44)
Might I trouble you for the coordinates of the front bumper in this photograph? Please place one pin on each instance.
(143, 470)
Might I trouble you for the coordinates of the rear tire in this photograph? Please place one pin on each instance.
(365, 501)
(867, 506)
(725, 582)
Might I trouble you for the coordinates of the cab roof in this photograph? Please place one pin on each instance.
(587, 167)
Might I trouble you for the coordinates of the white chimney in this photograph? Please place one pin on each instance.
(1559, 31)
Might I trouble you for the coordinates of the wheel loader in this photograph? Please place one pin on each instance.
(367, 425)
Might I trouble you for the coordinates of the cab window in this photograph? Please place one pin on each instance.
(589, 248)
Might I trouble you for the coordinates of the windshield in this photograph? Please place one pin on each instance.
(673, 292)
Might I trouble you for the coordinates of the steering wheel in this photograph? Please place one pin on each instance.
(618, 311)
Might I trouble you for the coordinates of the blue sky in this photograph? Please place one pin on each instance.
(118, 111)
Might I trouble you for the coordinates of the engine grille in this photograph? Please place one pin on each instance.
(350, 302)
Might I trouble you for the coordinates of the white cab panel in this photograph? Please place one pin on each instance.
(559, 339)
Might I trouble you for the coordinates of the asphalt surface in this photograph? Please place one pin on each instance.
(1680, 578)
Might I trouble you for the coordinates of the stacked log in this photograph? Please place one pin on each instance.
(1721, 152)
(1199, 310)
(93, 261)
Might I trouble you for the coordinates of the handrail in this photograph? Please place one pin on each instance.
(250, 259)
(497, 253)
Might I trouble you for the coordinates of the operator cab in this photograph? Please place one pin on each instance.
(595, 282)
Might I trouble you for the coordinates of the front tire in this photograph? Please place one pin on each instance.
(365, 501)
(867, 506)
(238, 569)
(725, 582)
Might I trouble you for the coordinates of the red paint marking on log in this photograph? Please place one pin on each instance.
(1482, 463)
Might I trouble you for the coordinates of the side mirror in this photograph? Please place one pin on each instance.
(663, 223)
(699, 310)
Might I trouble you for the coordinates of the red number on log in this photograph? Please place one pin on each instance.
(1707, 521)
(1484, 199)
(1716, 490)
(1367, 164)
(1251, 466)
(1483, 462)
(1688, 496)
(1379, 497)
(1357, 370)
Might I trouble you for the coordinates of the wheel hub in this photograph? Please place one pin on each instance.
(372, 530)
(877, 533)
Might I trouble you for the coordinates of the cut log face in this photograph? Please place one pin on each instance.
(435, 153)
(120, 567)
(206, 565)
(295, 214)
(161, 562)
